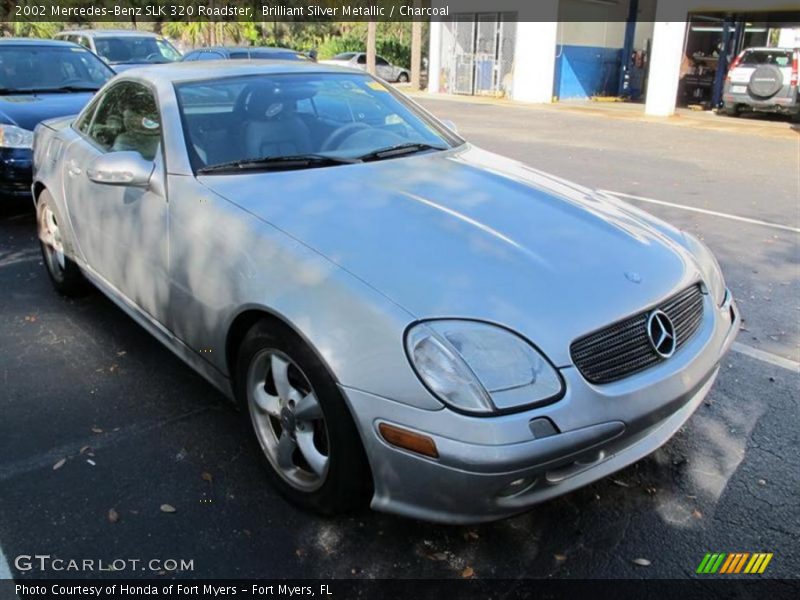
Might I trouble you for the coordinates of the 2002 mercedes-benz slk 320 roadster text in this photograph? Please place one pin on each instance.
(402, 316)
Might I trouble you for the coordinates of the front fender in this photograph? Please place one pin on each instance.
(224, 260)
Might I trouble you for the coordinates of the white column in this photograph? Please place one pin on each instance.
(665, 68)
(535, 61)
(434, 56)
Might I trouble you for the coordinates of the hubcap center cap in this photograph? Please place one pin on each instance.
(288, 422)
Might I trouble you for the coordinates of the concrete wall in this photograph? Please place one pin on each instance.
(789, 38)
(534, 57)
(578, 59)
(589, 53)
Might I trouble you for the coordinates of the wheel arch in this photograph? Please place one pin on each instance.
(246, 319)
(38, 188)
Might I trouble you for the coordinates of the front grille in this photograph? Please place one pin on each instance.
(624, 348)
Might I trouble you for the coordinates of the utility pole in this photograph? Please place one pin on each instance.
(371, 30)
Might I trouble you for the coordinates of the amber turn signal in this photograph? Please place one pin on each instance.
(408, 440)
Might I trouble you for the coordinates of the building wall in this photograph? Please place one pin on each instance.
(534, 56)
(579, 59)
(789, 38)
(589, 53)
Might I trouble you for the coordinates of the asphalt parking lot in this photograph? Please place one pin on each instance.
(81, 383)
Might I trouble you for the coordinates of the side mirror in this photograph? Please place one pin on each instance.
(450, 125)
(121, 168)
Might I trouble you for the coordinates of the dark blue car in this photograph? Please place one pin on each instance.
(39, 79)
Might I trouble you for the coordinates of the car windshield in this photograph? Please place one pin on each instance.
(779, 58)
(57, 68)
(135, 49)
(344, 56)
(320, 116)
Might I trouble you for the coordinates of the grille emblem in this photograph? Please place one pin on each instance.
(661, 333)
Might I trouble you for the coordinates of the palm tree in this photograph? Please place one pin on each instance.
(35, 29)
(371, 29)
(416, 51)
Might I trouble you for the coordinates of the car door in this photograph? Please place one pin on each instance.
(121, 230)
(383, 69)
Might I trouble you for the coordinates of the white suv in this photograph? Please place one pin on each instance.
(763, 79)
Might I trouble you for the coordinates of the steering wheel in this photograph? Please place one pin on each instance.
(153, 56)
(338, 135)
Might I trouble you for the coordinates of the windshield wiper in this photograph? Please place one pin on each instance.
(399, 150)
(283, 163)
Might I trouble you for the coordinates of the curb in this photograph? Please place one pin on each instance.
(707, 122)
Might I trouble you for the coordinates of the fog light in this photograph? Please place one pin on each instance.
(517, 486)
(408, 440)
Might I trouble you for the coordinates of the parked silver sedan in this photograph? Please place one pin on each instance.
(383, 68)
(402, 316)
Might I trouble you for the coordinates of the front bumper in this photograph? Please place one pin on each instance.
(16, 172)
(493, 467)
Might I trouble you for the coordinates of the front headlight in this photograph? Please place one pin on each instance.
(12, 136)
(480, 368)
(709, 268)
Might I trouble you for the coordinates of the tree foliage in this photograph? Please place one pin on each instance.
(328, 37)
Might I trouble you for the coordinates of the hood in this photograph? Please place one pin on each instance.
(28, 110)
(469, 234)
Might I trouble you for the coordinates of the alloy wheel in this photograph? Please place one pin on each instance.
(50, 235)
(288, 420)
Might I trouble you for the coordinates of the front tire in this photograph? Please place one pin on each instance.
(300, 421)
(64, 274)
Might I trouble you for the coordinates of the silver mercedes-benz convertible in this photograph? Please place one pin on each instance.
(403, 317)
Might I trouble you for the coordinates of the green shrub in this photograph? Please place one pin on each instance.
(336, 45)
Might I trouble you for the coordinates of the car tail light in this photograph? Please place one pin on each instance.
(735, 64)
(795, 69)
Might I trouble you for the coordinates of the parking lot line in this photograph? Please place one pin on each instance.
(703, 211)
(767, 357)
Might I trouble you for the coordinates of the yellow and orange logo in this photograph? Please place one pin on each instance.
(735, 562)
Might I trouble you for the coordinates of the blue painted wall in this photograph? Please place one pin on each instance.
(585, 71)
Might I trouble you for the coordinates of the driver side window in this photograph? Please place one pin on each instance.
(127, 119)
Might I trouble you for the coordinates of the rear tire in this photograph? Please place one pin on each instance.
(732, 110)
(64, 274)
(300, 421)
(403, 78)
